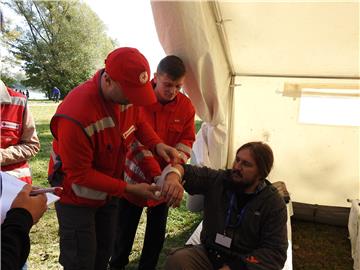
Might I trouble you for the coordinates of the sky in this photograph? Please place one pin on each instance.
(131, 24)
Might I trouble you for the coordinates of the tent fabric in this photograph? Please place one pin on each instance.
(188, 30)
(354, 232)
(293, 38)
(320, 163)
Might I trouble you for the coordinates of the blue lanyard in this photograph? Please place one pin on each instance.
(239, 216)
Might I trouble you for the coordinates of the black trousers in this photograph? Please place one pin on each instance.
(128, 220)
(86, 235)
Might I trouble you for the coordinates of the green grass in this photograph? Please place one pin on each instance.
(315, 246)
(318, 246)
(44, 240)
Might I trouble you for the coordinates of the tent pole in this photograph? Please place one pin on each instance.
(220, 23)
(230, 146)
(296, 76)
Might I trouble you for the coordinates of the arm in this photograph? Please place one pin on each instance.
(147, 136)
(144, 132)
(29, 144)
(196, 180)
(187, 136)
(15, 242)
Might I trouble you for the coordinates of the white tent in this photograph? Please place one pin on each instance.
(286, 73)
(255, 70)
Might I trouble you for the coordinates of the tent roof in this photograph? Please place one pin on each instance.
(230, 50)
(316, 39)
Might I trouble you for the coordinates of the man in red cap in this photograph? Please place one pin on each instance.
(92, 130)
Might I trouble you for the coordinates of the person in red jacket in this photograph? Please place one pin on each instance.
(92, 129)
(172, 117)
(19, 141)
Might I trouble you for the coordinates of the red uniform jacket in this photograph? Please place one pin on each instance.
(91, 137)
(174, 124)
(11, 128)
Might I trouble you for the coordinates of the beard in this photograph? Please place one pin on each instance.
(241, 184)
(238, 182)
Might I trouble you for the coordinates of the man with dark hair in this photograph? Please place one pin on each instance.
(245, 217)
(172, 118)
(92, 130)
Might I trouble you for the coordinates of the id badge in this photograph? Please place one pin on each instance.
(223, 240)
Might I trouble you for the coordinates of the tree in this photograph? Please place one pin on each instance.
(61, 44)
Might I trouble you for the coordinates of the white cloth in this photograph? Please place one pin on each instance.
(354, 232)
(204, 154)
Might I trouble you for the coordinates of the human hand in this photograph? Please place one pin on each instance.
(172, 190)
(168, 153)
(36, 205)
(143, 190)
(225, 267)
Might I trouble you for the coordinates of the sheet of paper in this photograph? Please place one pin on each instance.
(10, 188)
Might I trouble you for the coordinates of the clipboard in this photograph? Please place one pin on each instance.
(10, 187)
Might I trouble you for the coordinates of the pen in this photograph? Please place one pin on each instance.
(55, 190)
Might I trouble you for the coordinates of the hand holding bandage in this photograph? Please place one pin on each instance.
(170, 181)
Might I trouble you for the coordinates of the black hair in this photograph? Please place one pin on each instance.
(173, 66)
(262, 155)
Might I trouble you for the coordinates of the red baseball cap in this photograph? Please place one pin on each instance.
(131, 70)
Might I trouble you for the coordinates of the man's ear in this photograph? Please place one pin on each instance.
(107, 79)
